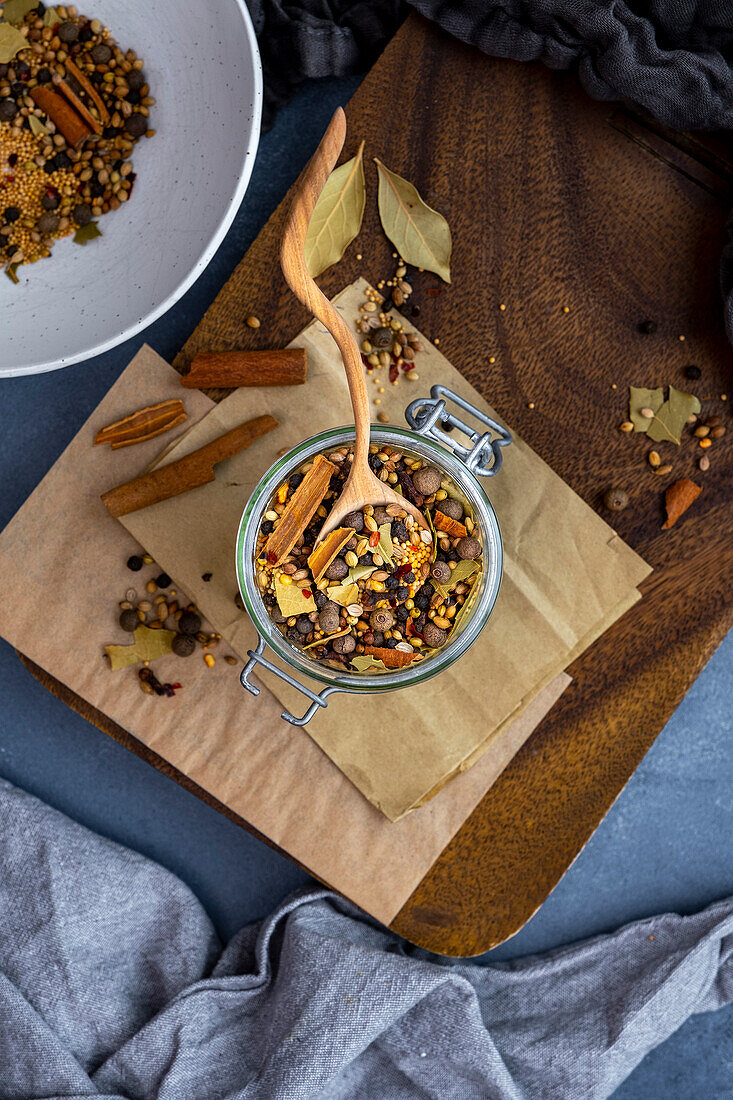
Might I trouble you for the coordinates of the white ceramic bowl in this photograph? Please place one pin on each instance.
(204, 71)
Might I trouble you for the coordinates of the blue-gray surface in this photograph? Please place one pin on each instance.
(665, 845)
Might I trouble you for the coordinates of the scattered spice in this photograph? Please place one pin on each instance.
(648, 328)
(692, 372)
(616, 499)
(253, 322)
(149, 645)
(660, 419)
(678, 498)
(134, 563)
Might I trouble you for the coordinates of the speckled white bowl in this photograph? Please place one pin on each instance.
(204, 70)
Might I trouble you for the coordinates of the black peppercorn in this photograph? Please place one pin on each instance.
(43, 76)
(11, 214)
(206, 577)
(183, 645)
(692, 372)
(129, 620)
(135, 563)
(163, 580)
(8, 109)
(189, 623)
(647, 327)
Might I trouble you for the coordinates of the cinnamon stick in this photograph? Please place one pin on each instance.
(80, 106)
(284, 367)
(66, 120)
(186, 473)
(392, 658)
(142, 425)
(299, 510)
(89, 88)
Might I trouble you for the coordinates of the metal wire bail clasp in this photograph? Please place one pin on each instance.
(484, 457)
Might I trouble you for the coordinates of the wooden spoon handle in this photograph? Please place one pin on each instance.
(304, 288)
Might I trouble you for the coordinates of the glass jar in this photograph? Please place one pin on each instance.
(426, 439)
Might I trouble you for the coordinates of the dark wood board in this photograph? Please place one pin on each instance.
(554, 200)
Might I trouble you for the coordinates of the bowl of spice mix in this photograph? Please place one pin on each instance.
(380, 602)
(82, 93)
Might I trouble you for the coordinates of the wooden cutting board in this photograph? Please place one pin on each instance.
(554, 200)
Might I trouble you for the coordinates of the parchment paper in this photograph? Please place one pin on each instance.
(567, 577)
(62, 560)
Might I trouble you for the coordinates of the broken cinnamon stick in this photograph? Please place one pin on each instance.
(285, 367)
(326, 551)
(142, 425)
(66, 120)
(186, 473)
(299, 511)
(87, 86)
(79, 105)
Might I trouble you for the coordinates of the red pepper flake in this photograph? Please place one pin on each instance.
(434, 291)
(306, 592)
(407, 366)
(393, 372)
(402, 569)
(366, 363)
(271, 557)
(176, 687)
(374, 538)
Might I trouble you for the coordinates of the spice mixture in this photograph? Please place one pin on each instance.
(72, 106)
(379, 592)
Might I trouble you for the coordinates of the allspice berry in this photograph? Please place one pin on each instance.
(189, 623)
(451, 508)
(427, 480)
(381, 338)
(328, 619)
(129, 620)
(441, 572)
(382, 619)
(337, 570)
(615, 499)
(345, 644)
(433, 635)
(468, 548)
(183, 645)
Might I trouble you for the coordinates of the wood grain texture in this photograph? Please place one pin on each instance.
(553, 201)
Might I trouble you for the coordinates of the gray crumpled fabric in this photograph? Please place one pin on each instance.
(671, 59)
(113, 984)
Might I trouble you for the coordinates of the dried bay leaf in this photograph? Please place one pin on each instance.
(15, 11)
(420, 234)
(337, 216)
(669, 420)
(149, 645)
(463, 570)
(328, 638)
(639, 399)
(431, 526)
(51, 17)
(87, 233)
(359, 572)
(292, 600)
(11, 42)
(384, 547)
(343, 594)
(366, 663)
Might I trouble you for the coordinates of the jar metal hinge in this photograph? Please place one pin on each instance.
(317, 699)
(484, 457)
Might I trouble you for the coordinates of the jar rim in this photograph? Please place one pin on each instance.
(357, 683)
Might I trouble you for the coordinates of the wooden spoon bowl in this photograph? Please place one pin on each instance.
(362, 485)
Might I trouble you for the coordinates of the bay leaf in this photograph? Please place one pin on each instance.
(11, 272)
(291, 599)
(462, 571)
(11, 42)
(51, 17)
(669, 421)
(37, 126)
(366, 663)
(337, 215)
(343, 594)
(639, 399)
(149, 645)
(420, 234)
(384, 548)
(87, 233)
(15, 11)
(464, 612)
(431, 525)
(328, 638)
(359, 572)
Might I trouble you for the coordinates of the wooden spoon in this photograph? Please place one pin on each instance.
(362, 486)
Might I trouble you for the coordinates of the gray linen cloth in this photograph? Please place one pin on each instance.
(674, 60)
(113, 984)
